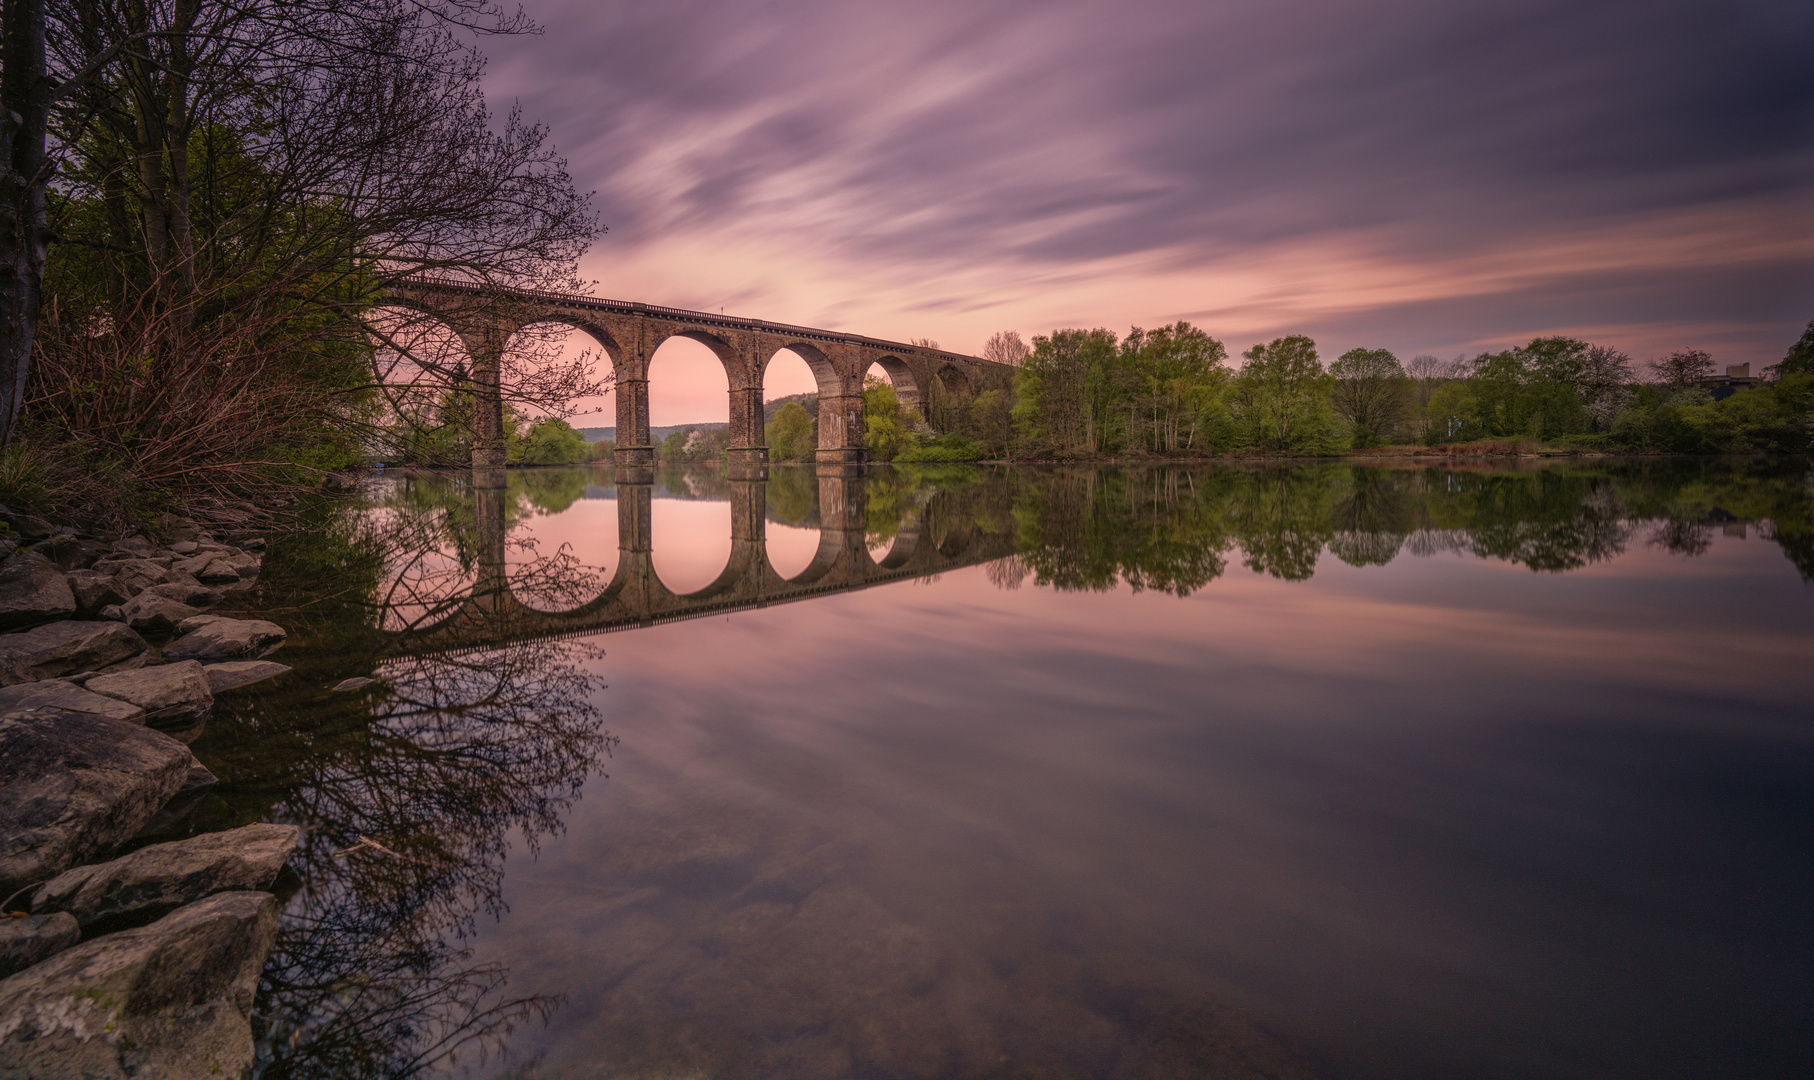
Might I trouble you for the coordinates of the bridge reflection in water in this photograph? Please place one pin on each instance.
(934, 531)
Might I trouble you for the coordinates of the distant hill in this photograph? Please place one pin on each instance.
(811, 401)
(656, 434)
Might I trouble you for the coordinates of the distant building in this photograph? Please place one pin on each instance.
(1737, 377)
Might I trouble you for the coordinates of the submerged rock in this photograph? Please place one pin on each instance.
(158, 879)
(168, 692)
(149, 613)
(234, 674)
(171, 999)
(33, 590)
(74, 784)
(352, 684)
(25, 941)
(66, 697)
(65, 648)
(209, 637)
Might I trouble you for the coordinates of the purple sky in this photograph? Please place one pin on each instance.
(1422, 176)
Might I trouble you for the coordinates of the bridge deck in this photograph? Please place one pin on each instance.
(706, 318)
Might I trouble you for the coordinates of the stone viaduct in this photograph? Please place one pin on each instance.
(942, 535)
(629, 333)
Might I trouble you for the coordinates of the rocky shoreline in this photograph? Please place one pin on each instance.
(119, 958)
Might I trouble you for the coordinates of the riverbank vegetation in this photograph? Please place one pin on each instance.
(1174, 393)
(234, 186)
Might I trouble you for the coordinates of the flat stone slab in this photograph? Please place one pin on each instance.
(352, 684)
(171, 999)
(156, 880)
(198, 596)
(33, 590)
(234, 674)
(65, 648)
(66, 697)
(177, 691)
(216, 637)
(25, 941)
(150, 613)
(74, 784)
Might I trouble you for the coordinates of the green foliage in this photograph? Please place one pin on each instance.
(552, 441)
(1282, 397)
(1799, 360)
(887, 429)
(793, 434)
(948, 447)
(1372, 393)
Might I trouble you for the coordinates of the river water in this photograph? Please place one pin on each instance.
(1323, 771)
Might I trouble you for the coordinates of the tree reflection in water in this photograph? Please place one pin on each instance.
(1173, 530)
(435, 772)
(431, 775)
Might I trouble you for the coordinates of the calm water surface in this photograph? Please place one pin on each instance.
(1313, 772)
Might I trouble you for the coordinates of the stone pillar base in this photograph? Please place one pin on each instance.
(747, 455)
(847, 455)
(634, 455)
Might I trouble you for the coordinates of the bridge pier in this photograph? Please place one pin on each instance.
(841, 430)
(634, 447)
(486, 347)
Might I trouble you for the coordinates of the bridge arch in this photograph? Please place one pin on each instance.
(901, 377)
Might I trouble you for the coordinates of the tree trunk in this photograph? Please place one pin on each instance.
(24, 174)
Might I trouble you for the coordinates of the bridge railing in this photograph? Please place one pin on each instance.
(630, 307)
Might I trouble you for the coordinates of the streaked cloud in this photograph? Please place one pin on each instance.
(1428, 177)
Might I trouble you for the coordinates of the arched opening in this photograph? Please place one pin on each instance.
(892, 417)
(689, 541)
(422, 369)
(562, 547)
(950, 399)
(689, 402)
(791, 381)
(553, 367)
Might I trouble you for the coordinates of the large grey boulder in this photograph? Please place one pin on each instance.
(25, 941)
(167, 1000)
(149, 613)
(66, 697)
(219, 571)
(75, 784)
(33, 590)
(216, 637)
(65, 648)
(156, 880)
(167, 692)
(233, 674)
(96, 589)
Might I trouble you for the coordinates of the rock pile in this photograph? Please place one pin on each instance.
(118, 961)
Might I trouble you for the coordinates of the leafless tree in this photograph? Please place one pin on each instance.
(1006, 347)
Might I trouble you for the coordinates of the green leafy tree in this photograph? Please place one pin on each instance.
(887, 429)
(1372, 393)
(553, 441)
(1063, 392)
(793, 435)
(1282, 395)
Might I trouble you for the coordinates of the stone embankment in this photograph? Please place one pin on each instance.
(119, 958)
